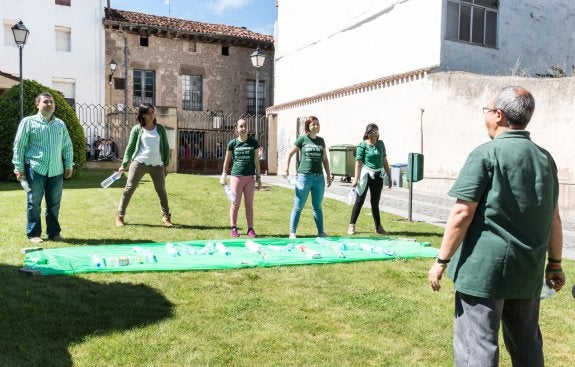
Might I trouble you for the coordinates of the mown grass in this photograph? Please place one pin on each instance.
(377, 313)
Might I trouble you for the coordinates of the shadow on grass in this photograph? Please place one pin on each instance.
(43, 316)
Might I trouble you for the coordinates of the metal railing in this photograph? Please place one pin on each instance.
(200, 135)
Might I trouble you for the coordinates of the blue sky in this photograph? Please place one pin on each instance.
(256, 15)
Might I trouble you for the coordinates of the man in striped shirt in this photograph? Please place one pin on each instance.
(43, 156)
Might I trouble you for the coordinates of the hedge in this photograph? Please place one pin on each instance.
(10, 118)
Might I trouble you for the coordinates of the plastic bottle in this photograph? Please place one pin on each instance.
(252, 246)
(351, 196)
(148, 256)
(256, 247)
(208, 249)
(118, 261)
(98, 261)
(547, 291)
(293, 181)
(172, 250)
(309, 252)
(229, 193)
(111, 179)
(25, 184)
(222, 249)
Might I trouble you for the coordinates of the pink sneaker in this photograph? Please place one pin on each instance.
(235, 232)
(251, 233)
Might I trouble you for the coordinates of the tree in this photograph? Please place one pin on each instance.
(10, 118)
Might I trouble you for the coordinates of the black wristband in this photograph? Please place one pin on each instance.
(553, 261)
(442, 261)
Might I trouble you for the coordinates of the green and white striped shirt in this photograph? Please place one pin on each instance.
(44, 145)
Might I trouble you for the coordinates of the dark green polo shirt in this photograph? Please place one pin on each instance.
(504, 250)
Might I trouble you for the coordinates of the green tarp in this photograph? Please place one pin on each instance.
(220, 254)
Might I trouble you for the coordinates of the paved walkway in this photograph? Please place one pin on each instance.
(426, 207)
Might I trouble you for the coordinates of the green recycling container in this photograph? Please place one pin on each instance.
(342, 160)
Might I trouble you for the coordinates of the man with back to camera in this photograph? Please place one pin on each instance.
(43, 155)
(500, 230)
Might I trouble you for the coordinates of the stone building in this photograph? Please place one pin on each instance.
(199, 75)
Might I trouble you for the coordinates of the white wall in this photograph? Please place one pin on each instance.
(532, 36)
(324, 44)
(83, 65)
(453, 123)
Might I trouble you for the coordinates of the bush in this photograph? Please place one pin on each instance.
(10, 118)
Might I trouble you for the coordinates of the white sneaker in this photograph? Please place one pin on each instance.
(292, 236)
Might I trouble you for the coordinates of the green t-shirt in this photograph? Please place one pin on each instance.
(370, 155)
(515, 185)
(311, 154)
(243, 153)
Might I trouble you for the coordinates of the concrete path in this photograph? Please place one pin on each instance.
(429, 208)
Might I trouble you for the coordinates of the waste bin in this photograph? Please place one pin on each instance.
(397, 172)
(342, 160)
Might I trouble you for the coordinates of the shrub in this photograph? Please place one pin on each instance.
(10, 118)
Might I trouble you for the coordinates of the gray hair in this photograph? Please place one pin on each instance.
(517, 104)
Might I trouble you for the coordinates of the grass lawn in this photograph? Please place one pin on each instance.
(375, 313)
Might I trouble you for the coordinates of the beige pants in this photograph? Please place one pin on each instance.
(137, 171)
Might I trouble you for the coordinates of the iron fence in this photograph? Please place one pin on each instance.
(202, 137)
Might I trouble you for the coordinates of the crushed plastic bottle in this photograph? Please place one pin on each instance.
(222, 249)
(172, 250)
(25, 185)
(309, 252)
(118, 261)
(255, 247)
(98, 261)
(375, 249)
(547, 291)
(276, 248)
(208, 249)
(148, 256)
(111, 179)
(229, 193)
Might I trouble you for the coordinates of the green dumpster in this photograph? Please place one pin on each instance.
(342, 160)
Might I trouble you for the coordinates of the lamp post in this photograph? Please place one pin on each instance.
(20, 36)
(113, 67)
(258, 59)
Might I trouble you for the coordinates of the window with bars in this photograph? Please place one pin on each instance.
(251, 94)
(472, 21)
(192, 92)
(144, 87)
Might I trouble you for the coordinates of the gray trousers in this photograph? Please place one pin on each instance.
(137, 171)
(476, 331)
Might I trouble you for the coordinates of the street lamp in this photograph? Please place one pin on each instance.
(20, 36)
(113, 67)
(258, 59)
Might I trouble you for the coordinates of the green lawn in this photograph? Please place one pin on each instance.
(376, 313)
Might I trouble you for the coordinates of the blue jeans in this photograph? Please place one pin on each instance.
(51, 189)
(308, 182)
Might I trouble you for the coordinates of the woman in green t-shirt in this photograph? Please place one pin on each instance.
(370, 160)
(242, 152)
(309, 175)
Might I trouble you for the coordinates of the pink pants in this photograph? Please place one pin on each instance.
(245, 185)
